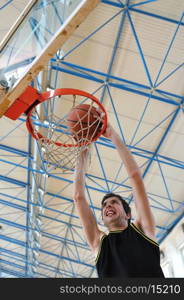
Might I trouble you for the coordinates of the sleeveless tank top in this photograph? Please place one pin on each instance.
(128, 253)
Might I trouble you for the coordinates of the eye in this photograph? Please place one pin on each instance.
(115, 201)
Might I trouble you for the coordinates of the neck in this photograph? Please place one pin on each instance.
(114, 227)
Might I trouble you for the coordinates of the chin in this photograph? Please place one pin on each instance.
(110, 220)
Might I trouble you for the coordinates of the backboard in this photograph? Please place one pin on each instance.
(31, 43)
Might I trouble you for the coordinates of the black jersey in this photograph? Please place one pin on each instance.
(128, 253)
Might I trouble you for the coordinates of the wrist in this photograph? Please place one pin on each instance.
(114, 135)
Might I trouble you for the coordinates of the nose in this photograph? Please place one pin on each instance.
(108, 206)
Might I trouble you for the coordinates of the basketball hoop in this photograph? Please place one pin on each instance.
(63, 133)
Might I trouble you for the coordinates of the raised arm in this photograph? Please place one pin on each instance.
(91, 230)
(144, 219)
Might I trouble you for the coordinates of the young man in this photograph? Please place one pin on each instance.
(129, 250)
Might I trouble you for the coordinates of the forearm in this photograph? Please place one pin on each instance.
(79, 177)
(79, 183)
(125, 155)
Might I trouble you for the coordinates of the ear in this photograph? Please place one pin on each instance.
(128, 216)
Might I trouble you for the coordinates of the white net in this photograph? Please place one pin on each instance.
(64, 126)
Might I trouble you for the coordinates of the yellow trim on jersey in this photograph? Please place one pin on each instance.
(99, 249)
(114, 231)
(145, 236)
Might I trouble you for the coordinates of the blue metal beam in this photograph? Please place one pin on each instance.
(21, 258)
(132, 87)
(159, 145)
(13, 273)
(7, 203)
(13, 253)
(115, 4)
(11, 204)
(28, 201)
(44, 234)
(12, 264)
(161, 141)
(171, 226)
(17, 266)
(43, 266)
(13, 181)
(13, 150)
(64, 246)
(20, 64)
(48, 235)
(106, 143)
(114, 52)
(141, 3)
(121, 184)
(69, 181)
(147, 13)
(23, 244)
(168, 50)
(140, 49)
(6, 4)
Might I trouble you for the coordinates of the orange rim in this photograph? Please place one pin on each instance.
(59, 92)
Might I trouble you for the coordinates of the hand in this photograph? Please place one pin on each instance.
(83, 158)
(84, 153)
(109, 131)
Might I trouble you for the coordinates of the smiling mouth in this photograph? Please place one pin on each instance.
(110, 213)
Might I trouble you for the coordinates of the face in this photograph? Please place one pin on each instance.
(113, 211)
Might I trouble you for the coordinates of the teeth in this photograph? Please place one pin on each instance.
(110, 212)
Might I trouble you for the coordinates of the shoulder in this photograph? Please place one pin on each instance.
(143, 234)
(148, 232)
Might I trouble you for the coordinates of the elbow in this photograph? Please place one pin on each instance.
(78, 197)
(136, 175)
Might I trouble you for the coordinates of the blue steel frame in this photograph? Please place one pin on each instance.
(25, 265)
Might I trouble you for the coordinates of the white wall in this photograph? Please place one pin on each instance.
(173, 260)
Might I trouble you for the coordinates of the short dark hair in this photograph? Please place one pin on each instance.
(124, 203)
